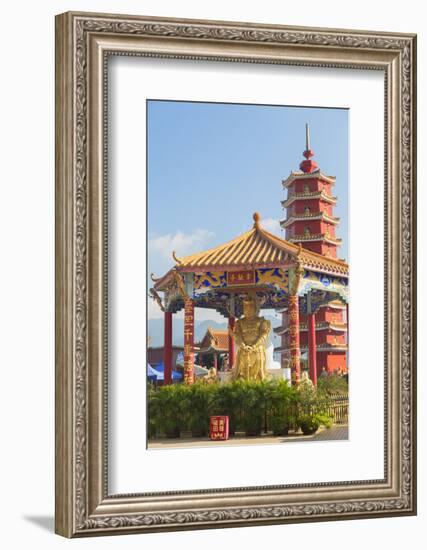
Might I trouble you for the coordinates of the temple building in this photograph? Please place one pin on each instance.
(213, 349)
(310, 222)
(277, 273)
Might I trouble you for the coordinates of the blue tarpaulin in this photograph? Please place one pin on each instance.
(152, 374)
(157, 373)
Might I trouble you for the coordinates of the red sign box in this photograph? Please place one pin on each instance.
(240, 277)
(219, 428)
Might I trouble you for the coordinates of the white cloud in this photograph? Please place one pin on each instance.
(273, 226)
(201, 314)
(182, 243)
(160, 258)
(154, 311)
(204, 314)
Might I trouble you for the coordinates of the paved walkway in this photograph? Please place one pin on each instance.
(338, 432)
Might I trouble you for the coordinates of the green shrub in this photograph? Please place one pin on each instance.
(251, 406)
(168, 409)
(198, 408)
(225, 401)
(281, 406)
(333, 384)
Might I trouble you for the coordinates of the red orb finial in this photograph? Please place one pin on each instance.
(308, 166)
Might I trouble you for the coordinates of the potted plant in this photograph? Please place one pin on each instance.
(310, 423)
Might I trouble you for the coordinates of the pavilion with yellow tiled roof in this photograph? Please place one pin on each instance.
(281, 273)
(214, 343)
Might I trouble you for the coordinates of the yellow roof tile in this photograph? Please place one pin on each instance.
(256, 248)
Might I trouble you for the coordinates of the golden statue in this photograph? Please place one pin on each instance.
(211, 377)
(251, 334)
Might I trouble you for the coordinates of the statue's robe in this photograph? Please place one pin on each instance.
(251, 364)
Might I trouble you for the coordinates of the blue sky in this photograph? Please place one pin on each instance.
(210, 166)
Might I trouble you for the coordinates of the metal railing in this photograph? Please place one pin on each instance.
(338, 408)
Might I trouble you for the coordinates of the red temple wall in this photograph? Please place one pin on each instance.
(299, 206)
(322, 337)
(316, 226)
(335, 337)
(332, 361)
(325, 314)
(320, 248)
(310, 185)
(315, 205)
(330, 315)
(299, 226)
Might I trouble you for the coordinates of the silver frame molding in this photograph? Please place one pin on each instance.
(83, 43)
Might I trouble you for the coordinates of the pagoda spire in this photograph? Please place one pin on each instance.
(308, 165)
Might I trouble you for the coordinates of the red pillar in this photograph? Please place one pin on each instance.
(167, 348)
(189, 341)
(215, 361)
(348, 337)
(283, 343)
(312, 363)
(294, 340)
(231, 351)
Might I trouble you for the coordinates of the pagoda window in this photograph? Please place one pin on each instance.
(307, 231)
(307, 210)
(306, 188)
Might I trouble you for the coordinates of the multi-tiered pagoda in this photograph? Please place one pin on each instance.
(310, 222)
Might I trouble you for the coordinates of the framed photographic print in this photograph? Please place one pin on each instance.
(235, 274)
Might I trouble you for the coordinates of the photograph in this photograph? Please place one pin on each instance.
(248, 274)
(235, 273)
(212, 248)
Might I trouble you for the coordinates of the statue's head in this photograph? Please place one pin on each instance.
(250, 306)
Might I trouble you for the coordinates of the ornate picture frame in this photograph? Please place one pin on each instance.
(83, 43)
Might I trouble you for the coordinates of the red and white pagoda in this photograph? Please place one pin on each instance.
(310, 222)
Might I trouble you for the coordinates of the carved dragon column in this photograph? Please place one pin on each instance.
(312, 363)
(294, 339)
(231, 351)
(295, 275)
(184, 286)
(167, 349)
(188, 341)
(312, 346)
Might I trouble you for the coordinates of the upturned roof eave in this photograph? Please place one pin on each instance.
(213, 349)
(197, 261)
(160, 282)
(310, 260)
(231, 267)
(310, 196)
(293, 176)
